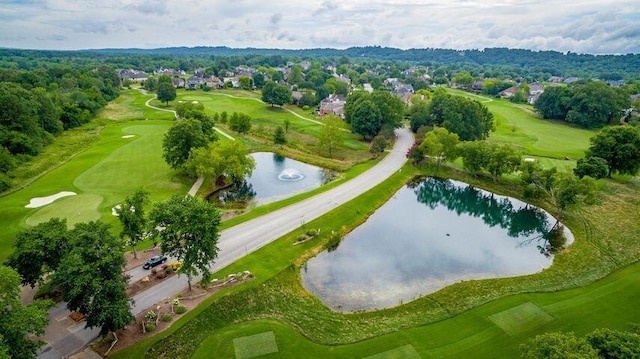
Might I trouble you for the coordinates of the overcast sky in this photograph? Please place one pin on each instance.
(583, 26)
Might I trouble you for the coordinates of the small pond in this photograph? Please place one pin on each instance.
(433, 233)
(275, 178)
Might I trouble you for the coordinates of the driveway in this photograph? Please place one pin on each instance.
(240, 240)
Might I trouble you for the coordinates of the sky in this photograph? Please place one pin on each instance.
(581, 26)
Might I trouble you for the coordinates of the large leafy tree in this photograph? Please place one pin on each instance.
(166, 92)
(468, 118)
(441, 145)
(595, 104)
(390, 106)
(188, 230)
(553, 103)
(18, 322)
(229, 160)
(366, 119)
(91, 277)
(240, 122)
(275, 94)
(39, 249)
(619, 146)
(132, 217)
(182, 137)
(331, 135)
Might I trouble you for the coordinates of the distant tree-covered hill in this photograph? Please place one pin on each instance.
(607, 67)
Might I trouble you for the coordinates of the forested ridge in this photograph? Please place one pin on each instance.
(553, 63)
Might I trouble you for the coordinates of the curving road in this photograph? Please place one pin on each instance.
(240, 240)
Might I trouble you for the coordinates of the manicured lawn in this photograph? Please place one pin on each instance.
(107, 168)
(519, 125)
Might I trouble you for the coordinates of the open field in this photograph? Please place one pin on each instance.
(519, 125)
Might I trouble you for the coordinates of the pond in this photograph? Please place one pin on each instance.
(275, 178)
(433, 233)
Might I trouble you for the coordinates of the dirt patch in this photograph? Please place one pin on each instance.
(187, 298)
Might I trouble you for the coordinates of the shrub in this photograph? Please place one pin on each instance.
(161, 274)
(181, 309)
(305, 107)
(312, 232)
(301, 238)
(154, 271)
(149, 327)
(166, 317)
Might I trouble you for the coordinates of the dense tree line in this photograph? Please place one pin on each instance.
(467, 118)
(590, 104)
(37, 105)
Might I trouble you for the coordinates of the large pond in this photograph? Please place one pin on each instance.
(275, 178)
(431, 234)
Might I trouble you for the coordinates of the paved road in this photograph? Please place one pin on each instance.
(238, 241)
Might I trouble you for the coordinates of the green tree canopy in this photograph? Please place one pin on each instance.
(331, 135)
(468, 118)
(240, 122)
(19, 322)
(279, 136)
(132, 217)
(229, 160)
(557, 346)
(276, 94)
(189, 232)
(619, 146)
(90, 277)
(183, 136)
(39, 249)
(366, 119)
(441, 145)
(166, 92)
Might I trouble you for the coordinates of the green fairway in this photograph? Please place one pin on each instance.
(519, 125)
(76, 209)
(103, 174)
(477, 333)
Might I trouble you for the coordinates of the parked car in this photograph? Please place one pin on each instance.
(154, 261)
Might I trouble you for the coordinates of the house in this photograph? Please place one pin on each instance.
(305, 65)
(343, 78)
(477, 86)
(555, 79)
(168, 72)
(194, 82)
(178, 82)
(296, 95)
(508, 93)
(404, 91)
(213, 82)
(570, 80)
(615, 83)
(368, 87)
(333, 104)
(132, 75)
(536, 88)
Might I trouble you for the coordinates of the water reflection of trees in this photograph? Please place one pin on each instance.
(239, 192)
(494, 210)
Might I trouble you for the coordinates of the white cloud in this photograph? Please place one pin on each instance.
(580, 26)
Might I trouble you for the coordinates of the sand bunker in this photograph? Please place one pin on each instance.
(128, 136)
(194, 101)
(43, 201)
(114, 210)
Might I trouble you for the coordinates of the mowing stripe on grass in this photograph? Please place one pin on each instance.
(255, 345)
(521, 318)
(403, 352)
